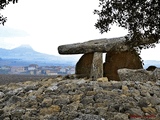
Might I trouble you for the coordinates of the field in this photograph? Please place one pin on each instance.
(8, 78)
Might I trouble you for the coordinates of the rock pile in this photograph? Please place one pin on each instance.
(69, 98)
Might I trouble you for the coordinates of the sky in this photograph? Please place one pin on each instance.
(45, 25)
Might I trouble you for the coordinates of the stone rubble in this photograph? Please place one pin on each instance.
(65, 98)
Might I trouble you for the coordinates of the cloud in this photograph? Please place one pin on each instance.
(10, 32)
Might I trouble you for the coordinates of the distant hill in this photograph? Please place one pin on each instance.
(25, 54)
(151, 62)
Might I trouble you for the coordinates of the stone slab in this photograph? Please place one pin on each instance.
(98, 45)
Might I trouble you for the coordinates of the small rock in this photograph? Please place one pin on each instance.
(89, 109)
(30, 87)
(158, 82)
(14, 92)
(90, 93)
(50, 110)
(70, 107)
(144, 93)
(47, 102)
(1, 112)
(88, 117)
(6, 118)
(76, 98)
(17, 113)
(87, 100)
(61, 100)
(59, 78)
(125, 89)
(149, 110)
(1, 95)
(135, 111)
(53, 87)
(121, 116)
(14, 99)
(135, 92)
(155, 101)
(102, 111)
(143, 102)
(158, 108)
(82, 81)
(103, 79)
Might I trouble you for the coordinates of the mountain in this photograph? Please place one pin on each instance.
(26, 54)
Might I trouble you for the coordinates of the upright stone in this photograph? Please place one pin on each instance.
(97, 66)
(83, 66)
(117, 60)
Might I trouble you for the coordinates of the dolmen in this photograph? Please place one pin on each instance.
(119, 55)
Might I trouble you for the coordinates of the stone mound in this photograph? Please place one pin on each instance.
(63, 98)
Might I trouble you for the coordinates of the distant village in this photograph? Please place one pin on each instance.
(34, 69)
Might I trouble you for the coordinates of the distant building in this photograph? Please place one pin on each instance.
(38, 72)
(17, 70)
(31, 72)
(62, 70)
(32, 67)
(50, 72)
(5, 67)
(71, 71)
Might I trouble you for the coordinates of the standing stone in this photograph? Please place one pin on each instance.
(117, 60)
(97, 66)
(83, 66)
(90, 65)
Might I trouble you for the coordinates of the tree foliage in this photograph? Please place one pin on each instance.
(140, 17)
(3, 4)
